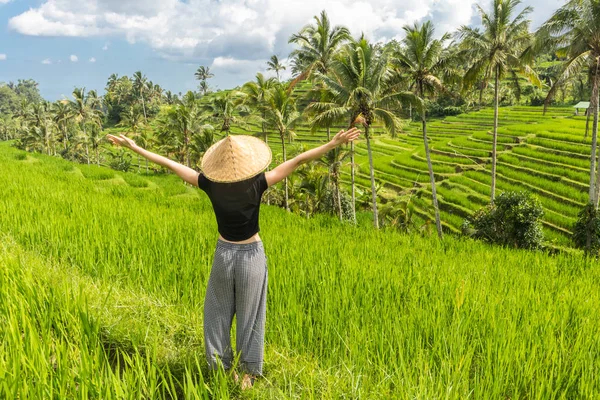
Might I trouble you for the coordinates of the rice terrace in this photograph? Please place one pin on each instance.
(428, 200)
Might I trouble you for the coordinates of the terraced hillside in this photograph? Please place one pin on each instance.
(545, 154)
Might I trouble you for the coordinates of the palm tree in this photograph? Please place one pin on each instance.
(133, 119)
(82, 113)
(334, 160)
(40, 129)
(282, 115)
(256, 94)
(180, 121)
(319, 44)
(139, 86)
(62, 115)
(226, 109)
(422, 60)
(203, 74)
(573, 31)
(500, 49)
(201, 142)
(275, 65)
(362, 91)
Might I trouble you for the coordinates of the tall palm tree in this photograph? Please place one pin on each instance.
(282, 115)
(82, 113)
(275, 65)
(500, 49)
(40, 126)
(256, 97)
(139, 87)
(422, 60)
(318, 45)
(574, 32)
(62, 114)
(362, 91)
(133, 119)
(203, 74)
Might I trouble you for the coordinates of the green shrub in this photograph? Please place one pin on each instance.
(513, 221)
(586, 233)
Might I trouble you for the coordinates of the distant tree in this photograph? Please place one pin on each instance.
(139, 87)
(202, 74)
(227, 108)
(28, 88)
(275, 65)
(9, 100)
(256, 97)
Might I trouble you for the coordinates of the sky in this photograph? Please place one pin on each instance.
(64, 44)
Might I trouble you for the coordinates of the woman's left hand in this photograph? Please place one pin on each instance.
(343, 137)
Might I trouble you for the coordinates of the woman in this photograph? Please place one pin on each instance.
(233, 177)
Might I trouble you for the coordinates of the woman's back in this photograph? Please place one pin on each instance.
(236, 205)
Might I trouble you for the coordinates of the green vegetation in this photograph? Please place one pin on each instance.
(104, 299)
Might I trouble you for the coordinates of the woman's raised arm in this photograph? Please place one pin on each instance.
(187, 174)
(285, 169)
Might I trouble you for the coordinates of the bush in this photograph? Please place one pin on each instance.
(329, 204)
(512, 221)
(586, 233)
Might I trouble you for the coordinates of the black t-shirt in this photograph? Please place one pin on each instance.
(236, 205)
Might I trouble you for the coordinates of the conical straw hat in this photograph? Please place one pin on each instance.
(236, 158)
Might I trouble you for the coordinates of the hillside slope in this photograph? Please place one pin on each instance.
(96, 262)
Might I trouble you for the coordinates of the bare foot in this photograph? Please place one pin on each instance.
(247, 381)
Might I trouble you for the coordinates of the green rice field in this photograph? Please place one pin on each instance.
(103, 273)
(545, 154)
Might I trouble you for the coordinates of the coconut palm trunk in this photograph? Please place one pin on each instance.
(594, 108)
(372, 172)
(353, 182)
(438, 222)
(495, 140)
(97, 157)
(336, 185)
(595, 103)
(285, 181)
(143, 106)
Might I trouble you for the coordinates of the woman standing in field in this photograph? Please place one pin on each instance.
(233, 177)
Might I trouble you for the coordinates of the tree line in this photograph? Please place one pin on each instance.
(353, 82)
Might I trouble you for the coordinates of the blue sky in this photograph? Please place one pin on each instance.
(67, 43)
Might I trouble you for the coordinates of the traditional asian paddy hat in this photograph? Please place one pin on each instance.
(236, 158)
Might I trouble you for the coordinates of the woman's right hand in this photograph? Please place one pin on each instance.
(122, 140)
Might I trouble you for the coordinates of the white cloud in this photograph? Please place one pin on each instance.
(73, 58)
(47, 61)
(238, 29)
(2, 56)
(92, 60)
(4, 1)
(105, 47)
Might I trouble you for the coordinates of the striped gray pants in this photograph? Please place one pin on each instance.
(237, 285)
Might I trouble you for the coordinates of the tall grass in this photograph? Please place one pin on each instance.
(352, 313)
